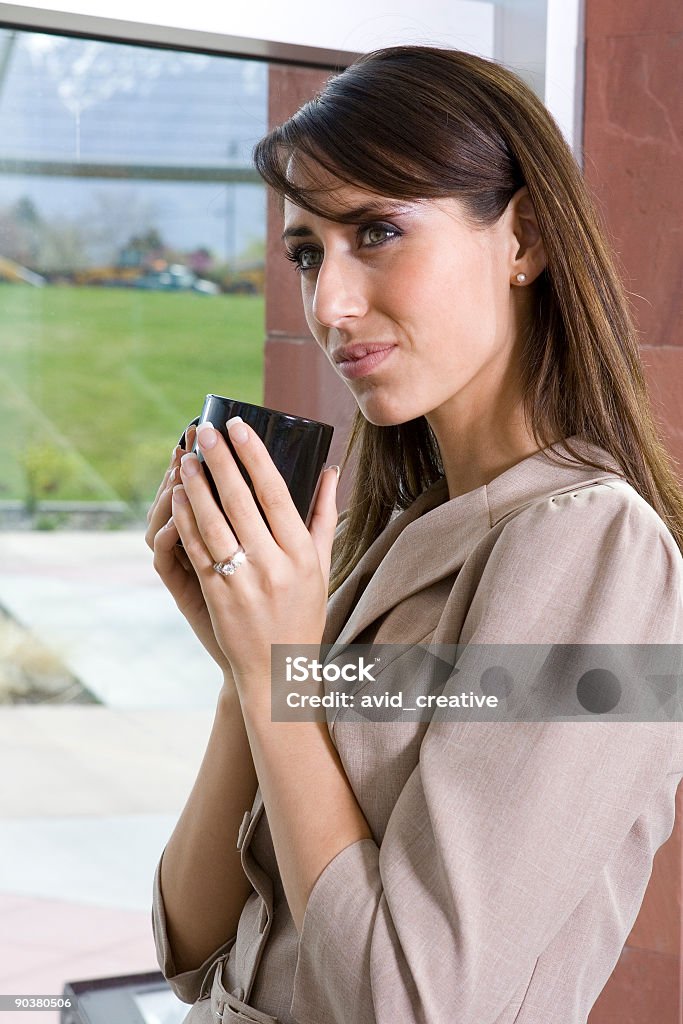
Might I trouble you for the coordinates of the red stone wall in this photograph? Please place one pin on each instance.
(298, 377)
(633, 143)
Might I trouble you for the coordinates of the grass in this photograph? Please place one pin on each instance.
(97, 384)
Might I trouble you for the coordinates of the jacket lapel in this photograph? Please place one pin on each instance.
(429, 546)
(361, 586)
(432, 537)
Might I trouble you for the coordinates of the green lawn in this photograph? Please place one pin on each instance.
(96, 384)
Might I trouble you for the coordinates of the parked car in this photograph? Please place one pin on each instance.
(176, 278)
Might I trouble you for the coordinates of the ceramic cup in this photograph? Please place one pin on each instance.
(297, 446)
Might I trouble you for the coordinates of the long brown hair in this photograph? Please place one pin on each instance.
(417, 122)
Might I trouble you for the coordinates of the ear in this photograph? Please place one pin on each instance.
(527, 251)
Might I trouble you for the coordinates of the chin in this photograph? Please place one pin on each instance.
(383, 415)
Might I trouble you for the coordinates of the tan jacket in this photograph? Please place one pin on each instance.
(508, 860)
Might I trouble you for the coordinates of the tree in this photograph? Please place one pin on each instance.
(21, 231)
(113, 218)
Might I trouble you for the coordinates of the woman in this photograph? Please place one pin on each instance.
(510, 489)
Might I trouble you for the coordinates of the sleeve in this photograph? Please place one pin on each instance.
(502, 828)
(188, 985)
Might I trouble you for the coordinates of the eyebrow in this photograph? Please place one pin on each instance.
(354, 216)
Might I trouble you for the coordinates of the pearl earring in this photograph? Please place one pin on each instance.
(521, 278)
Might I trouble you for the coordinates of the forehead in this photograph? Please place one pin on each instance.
(328, 193)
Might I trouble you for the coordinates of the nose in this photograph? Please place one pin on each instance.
(340, 291)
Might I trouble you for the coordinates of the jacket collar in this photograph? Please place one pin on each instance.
(432, 537)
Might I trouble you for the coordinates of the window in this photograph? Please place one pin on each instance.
(132, 231)
(132, 240)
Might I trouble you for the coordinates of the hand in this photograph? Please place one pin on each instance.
(279, 594)
(173, 565)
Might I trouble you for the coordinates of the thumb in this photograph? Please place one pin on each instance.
(324, 519)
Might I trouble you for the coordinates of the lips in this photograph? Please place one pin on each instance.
(352, 353)
(361, 360)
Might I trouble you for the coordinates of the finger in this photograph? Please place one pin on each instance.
(175, 458)
(171, 561)
(286, 524)
(190, 436)
(181, 555)
(160, 489)
(236, 498)
(216, 542)
(323, 521)
(160, 512)
(165, 561)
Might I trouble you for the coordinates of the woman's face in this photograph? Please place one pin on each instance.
(411, 304)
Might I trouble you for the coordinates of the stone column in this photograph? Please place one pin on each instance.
(298, 377)
(633, 142)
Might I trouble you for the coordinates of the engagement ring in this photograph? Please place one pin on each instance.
(231, 565)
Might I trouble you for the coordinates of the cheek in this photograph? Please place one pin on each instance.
(307, 297)
(468, 299)
(459, 319)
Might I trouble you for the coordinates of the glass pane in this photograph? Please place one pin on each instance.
(132, 243)
(132, 231)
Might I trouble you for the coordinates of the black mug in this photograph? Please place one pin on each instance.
(297, 446)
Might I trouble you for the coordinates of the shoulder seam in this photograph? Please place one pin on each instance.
(545, 498)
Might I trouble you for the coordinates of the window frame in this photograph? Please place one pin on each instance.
(112, 30)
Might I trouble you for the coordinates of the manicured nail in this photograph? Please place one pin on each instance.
(179, 495)
(169, 524)
(335, 468)
(174, 454)
(173, 475)
(206, 435)
(237, 429)
(189, 464)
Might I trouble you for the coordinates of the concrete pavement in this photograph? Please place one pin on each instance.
(91, 792)
(95, 599)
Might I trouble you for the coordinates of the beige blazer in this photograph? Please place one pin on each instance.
(508, 860)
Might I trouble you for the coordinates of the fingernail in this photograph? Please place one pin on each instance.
(189, 464)
(173, 475)
(335, 468)
(174, 453)
(237, 429)
(179, 495)
(169, 524)
(206, 435)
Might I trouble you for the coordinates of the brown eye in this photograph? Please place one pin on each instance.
(377, 234)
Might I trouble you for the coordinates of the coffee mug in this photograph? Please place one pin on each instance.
(297, 446)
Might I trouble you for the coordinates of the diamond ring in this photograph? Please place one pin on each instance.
(231, 565)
